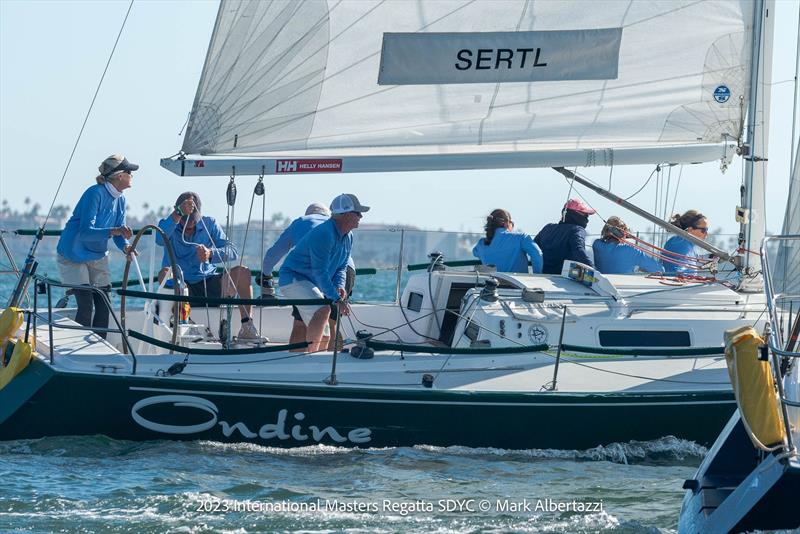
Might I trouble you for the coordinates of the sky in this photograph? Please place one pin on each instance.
(52, 55)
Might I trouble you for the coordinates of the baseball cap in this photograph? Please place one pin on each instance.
(577, 205)
(116, 163)
(318, 208)
(346, 203)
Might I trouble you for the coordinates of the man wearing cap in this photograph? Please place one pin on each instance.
(199, 242)
(316, 214)
(565, 240)
(316, 267)
(83, 245)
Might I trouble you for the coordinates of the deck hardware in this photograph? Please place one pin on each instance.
(427, 380)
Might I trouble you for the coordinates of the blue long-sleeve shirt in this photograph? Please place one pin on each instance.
(621, 258)
(207, 233)
(559, 242)
(289, 238)
(681, 246)
(509, 252)
(321, 258)
(85, 236)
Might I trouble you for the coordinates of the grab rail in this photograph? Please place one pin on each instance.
(50, 283)
(775, 340)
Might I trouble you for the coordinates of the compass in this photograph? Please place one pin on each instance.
(537, 334)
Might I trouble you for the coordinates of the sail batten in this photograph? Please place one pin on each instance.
(470, 77)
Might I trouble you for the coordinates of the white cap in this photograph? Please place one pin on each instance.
(318, 208)
(345, 203)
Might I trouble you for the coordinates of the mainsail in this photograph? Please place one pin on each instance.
(368, 77)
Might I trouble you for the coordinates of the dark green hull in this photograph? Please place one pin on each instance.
(42, 402)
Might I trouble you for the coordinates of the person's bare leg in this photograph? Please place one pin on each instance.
(316, 328)
(241, 281)
(298, 334)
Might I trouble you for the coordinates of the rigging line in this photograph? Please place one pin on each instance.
(261, 257)
(247, 228)
(88, 113)
(794, 100)
(677, 187)
(645, 183)
(656, 230)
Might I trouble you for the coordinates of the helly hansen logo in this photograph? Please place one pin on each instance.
(284, 166)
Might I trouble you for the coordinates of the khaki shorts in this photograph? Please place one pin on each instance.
(303, 289)
(94, 272)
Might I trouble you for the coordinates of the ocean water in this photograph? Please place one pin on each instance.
(96, 484)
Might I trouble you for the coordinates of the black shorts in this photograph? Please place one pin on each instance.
(210, 287)
(349, 282)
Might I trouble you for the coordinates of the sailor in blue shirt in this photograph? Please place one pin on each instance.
(316, 214)
(83, 245)
(612, 255)
(505, 249)
(565, 240)
(316, 267)
(696, 224)
(198, 243)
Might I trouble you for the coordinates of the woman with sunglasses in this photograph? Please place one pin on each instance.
(83, 245)
(506, 249)
(694, 223)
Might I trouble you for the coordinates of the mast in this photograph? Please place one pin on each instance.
(752, 215)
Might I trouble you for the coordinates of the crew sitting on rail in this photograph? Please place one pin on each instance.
(199, 242)
(316, 267)
(613, 255)
(565, 240)
(83, 245)
(316, 214)
(506, 249)
(680, 253)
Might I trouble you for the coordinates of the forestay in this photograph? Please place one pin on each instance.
(385, 78)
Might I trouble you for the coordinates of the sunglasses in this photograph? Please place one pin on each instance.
(703, 230)
(358, 214)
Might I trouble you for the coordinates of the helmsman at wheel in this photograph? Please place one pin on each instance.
(199, 242)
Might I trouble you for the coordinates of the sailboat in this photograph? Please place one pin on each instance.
(469, 358)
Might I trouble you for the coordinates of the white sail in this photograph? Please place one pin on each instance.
(787, 263)
(364, 77)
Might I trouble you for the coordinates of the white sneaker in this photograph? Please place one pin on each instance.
(248, 333)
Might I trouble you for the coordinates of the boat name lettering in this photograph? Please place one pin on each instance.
(499, 57)
(278, 430)
(488, 58)
(284, 166)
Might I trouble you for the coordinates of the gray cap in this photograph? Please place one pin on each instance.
(196, 214)
(116, 163)
(347, 202)
(318, 208)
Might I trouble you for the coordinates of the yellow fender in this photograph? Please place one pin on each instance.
(10, 321)
(754, 387)
(20, 359)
